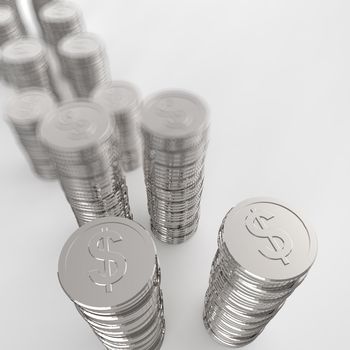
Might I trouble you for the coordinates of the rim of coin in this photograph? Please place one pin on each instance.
(79, 263)
(60, 131)
(252, 249)
(174, 114)
(55, 11)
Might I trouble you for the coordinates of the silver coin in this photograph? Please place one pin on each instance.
(265, 251)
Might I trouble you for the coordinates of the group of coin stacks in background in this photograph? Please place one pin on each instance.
(87, 139)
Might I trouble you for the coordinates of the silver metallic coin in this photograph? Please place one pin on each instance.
(16, 12)
(109, 269)
(265, 251)
(81, 139)
(84, 62)
(25, 113)
(26, 65)
(59, 19)
(8, 25)
(174, 127)
(123, 102)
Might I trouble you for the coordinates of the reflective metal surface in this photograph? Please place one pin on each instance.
(174, 127)
(109, 269)
(81, 139)
(14, 7)
(123, 102)
(25, 112)
(265, 251)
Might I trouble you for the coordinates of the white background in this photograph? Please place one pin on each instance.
(276, 76)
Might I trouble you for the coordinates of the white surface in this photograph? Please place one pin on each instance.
(276, 77)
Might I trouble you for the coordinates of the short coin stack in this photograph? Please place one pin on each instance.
(174, 128)
(109, 269)
(25, 113)
(26, 64)
(122, 100)
(59, 19)
(84, 62)
(81, 139)
(264, 252)
(8, 25)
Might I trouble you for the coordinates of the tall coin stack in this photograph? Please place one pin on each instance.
(84, 62)
(175, 134)
(14, 7)
(26, 64)
(123, 102)
(8, 25)
(265, 251)
(109, 269)
(25, 113)
(81, 139)
(59, 19)
(36, 6)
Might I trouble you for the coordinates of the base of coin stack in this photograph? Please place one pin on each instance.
(264, 252)
(109, 269)
(174, 128)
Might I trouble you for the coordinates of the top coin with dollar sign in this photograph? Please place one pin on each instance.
(107, 263)
(174, 114)
(76, 126)
(268, 240)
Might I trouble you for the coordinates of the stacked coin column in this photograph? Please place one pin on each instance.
(25, 113)
(8, 25)
(14, 7)
(59, 19)
(174, 127)
(37, 5)
(264, 252)
(123, 103)
(109, 269)
(84, 62)
(81, 139)
(26, 64)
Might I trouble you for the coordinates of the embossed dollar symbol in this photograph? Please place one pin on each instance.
(260, 224)
(102, 248)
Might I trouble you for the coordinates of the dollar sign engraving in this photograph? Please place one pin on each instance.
(114, 264)
(260, 224)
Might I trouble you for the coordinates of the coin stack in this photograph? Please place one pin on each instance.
(26, 64)
(14, 7)
(175, 133)
(81, 139)
(84, 62)
(25, 113)
(265, 251)
(8, 25)
(59, 19)
(109, 269)
(123, 102)
(36, 6)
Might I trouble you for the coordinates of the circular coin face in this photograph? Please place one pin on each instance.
(117, 96)
(107, 263)
(22, 50)
(58, 11)
(30, 105)
(174, 114)
(80, 45)
(76, 126)
(269, 240)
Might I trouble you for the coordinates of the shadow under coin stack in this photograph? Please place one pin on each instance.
(8, 25)
(84, 62)
(14, 7)
(81, 139)
(264, 252)
(122, 100)
(109, 269)
(25, 113)
(26, 64)
(59, 19)
(175, 134)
